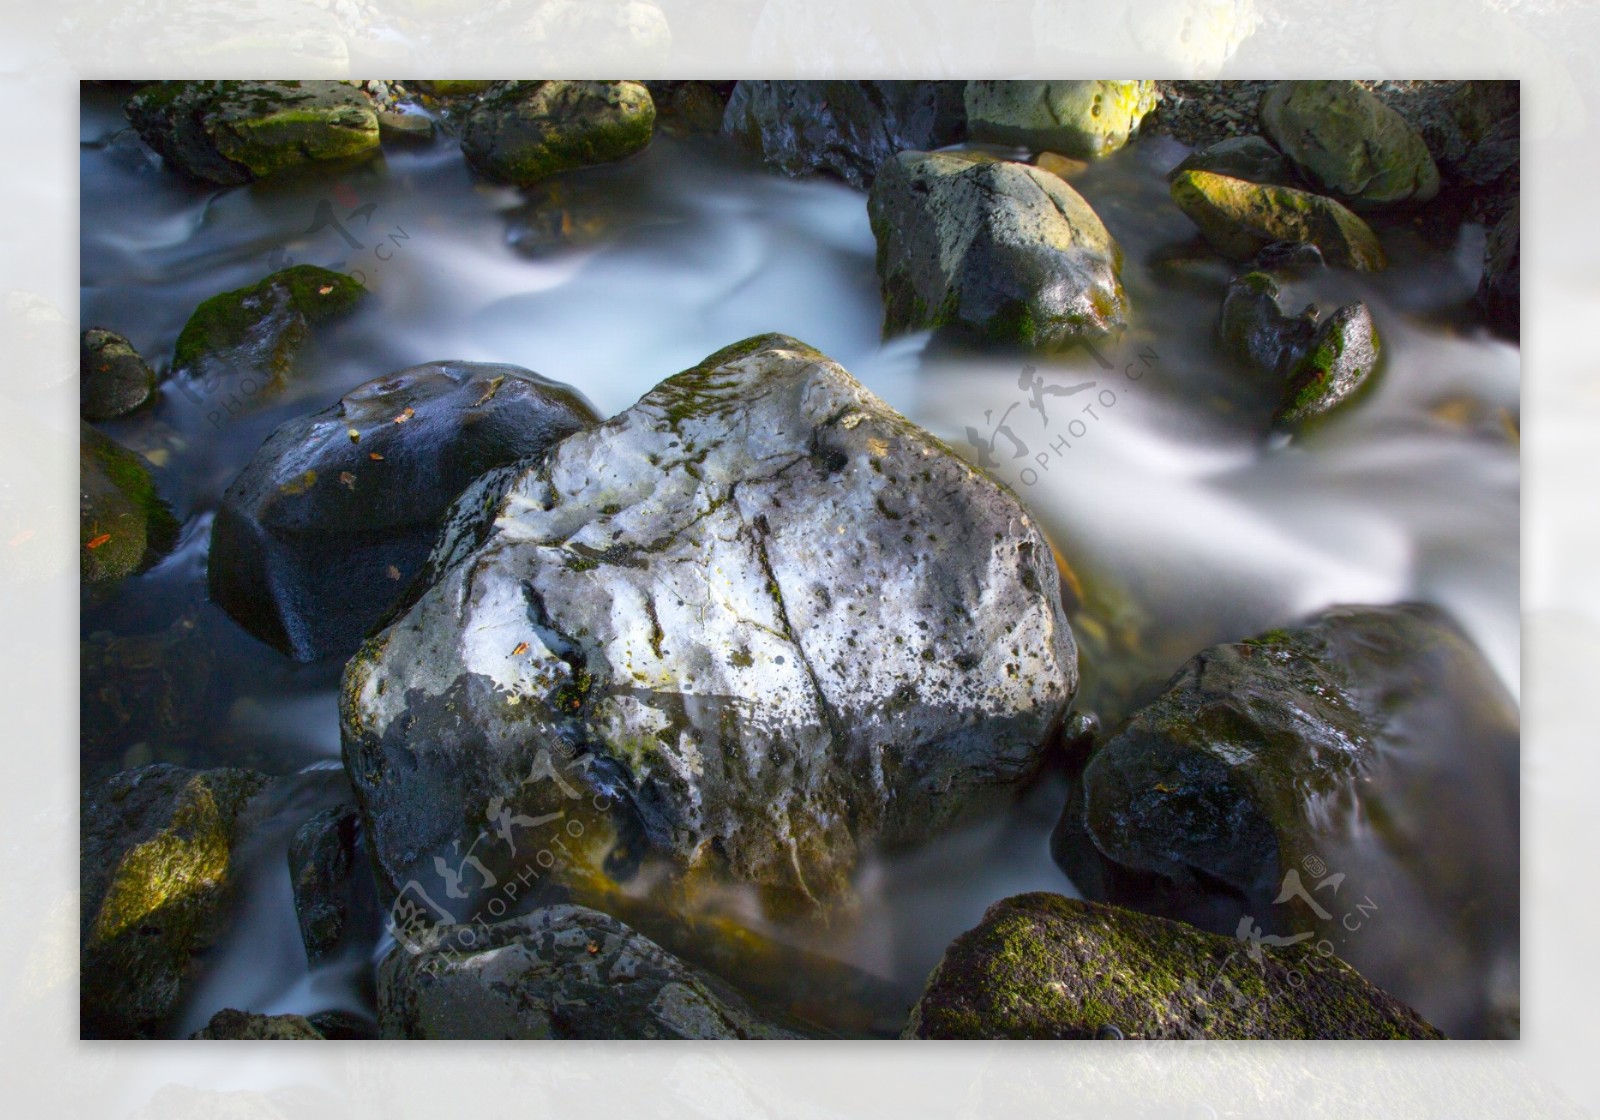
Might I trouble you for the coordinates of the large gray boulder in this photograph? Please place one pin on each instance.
(559, 972)
(318, 536)
(523, 132)
(768, 622)
(846, 129)
(1366, 757)
(1001, 250)
(157, 872)
(1349, 142)
(1046, 966)
(1082, 119)
(233, 132)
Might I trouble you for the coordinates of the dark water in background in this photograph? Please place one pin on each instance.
(1185, 525)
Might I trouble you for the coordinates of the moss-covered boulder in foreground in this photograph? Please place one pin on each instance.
(228, 132)
(1350, 143)
(240, 347)
(157, 870)
(522, 132)
(1082, 119)
(1046, 966)
(1240, 219)
(123, 524)
(999, 250)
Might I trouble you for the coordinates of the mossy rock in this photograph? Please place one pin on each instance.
(1082, 119)
(242, 346)
(1044, 966)
(157, 872)
(230, 132)
(1001, 251)
(233, 1025)
(522, 132)
(1241, 157)
(1339, 362)
(123, 524)
(1241, 218)
(1350, 143)
(113, 380)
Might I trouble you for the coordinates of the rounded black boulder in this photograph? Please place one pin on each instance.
(320, 534)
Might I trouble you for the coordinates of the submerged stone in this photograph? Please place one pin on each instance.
(558, 972)
(318, 537)
(845, 129)
(232, 132)
(1046, 966)
(523, 132)
(157, 872)
(1000, 250)
(757, 622)
(1241, 218)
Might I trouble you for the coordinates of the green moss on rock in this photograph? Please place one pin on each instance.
(1045, 966)
(524, 132)
(123, 524)
(1241, 218)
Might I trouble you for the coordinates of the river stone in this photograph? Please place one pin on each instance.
(1259, 754)
(846, 129)
(1338, 362)
(319, 534)
(232, 132)
(1046, 966)
(1255, 331)
(1001, 250)
(1240, 157)
(247, 1026)
(156, 873)
(123, 524)
(1083, 119)
(1500, 289)
(1241, 218)
(558, 972)
(771, 622)
(522, 132)
(113, 380)
(243, 345)
(1349, 142)
(323, 854)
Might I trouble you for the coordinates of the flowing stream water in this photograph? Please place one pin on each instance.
(1186, 523)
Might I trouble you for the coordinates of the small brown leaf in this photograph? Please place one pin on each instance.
(406, 415)
(593, 947)
(522, 648)
(347, 479)
(325, 289)
(392, 572)
(103, 538)
(375, 457)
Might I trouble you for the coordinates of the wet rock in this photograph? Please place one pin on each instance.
(1000, 250)
(1288, 256)
(1062, 167)
(1500, 289)
(1241, 218)
(142, 688)
(765, 619)
(1046, 966)
(318, 536)
(1364, 759)
(113, 380)
(342, 1026)
(459, 87)
(404, 128)
(1241, 157)
(1349, 142)
(247, 1026)
(846, 129)
(1319, 366)
(123, 524)
(1082, 119)
(559, 972)
(522, 132)
(1340, 359)
(157, 872)
(322, 855)
(232, 132)
(240, 347)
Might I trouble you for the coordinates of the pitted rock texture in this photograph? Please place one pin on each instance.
(767, 619)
